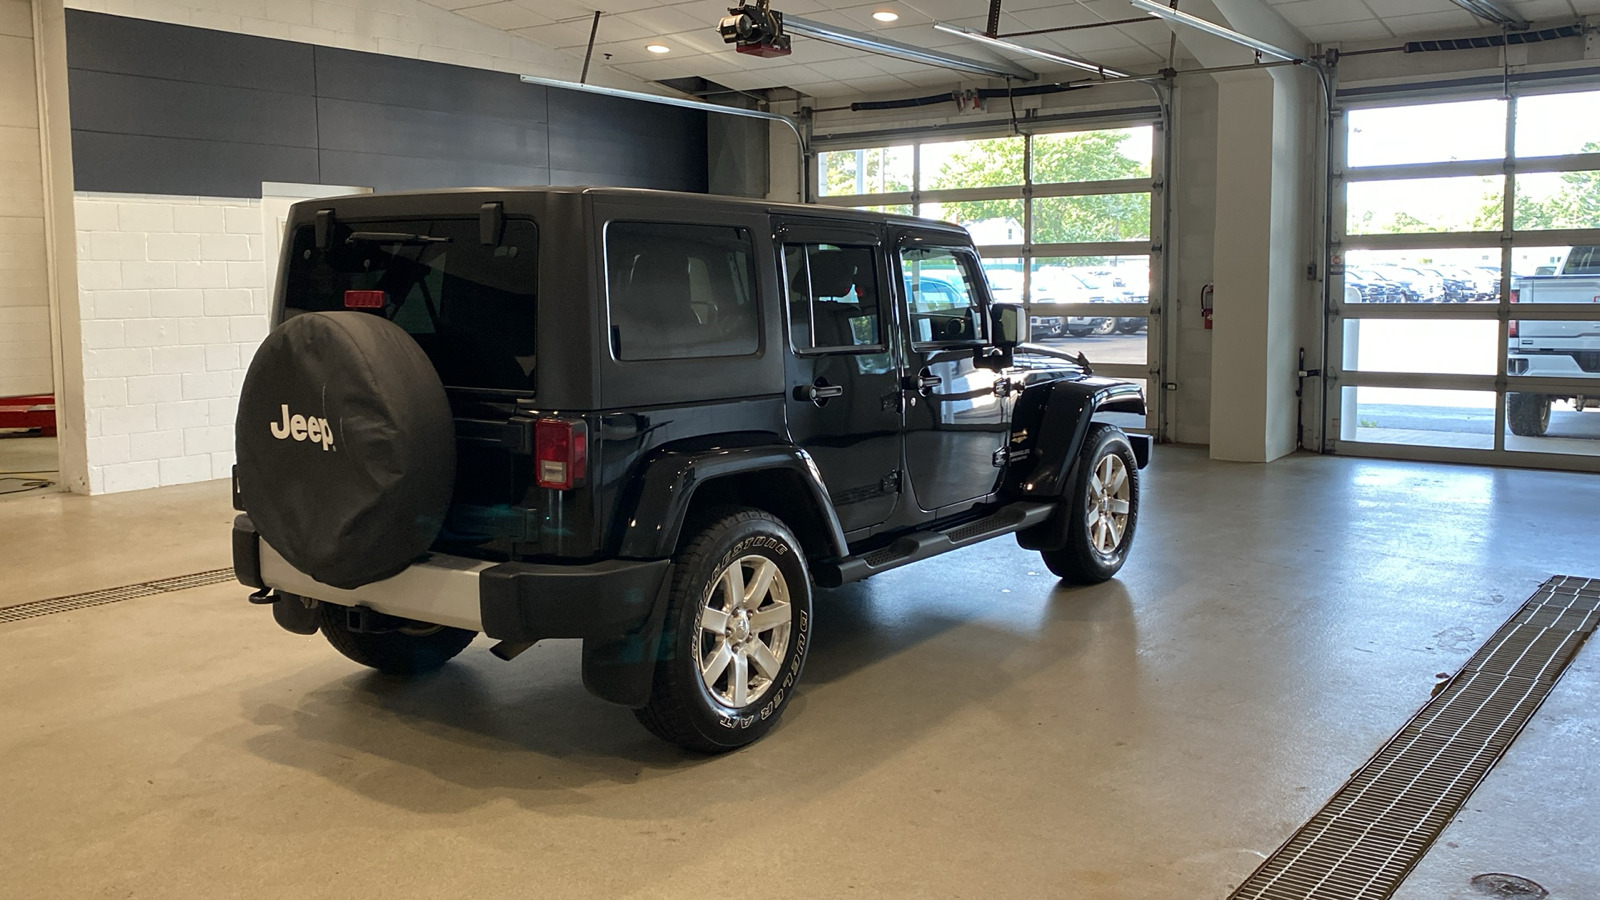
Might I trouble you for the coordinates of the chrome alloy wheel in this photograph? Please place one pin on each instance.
(1107, 512)
(744, 631)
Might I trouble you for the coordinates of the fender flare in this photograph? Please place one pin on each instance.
(1060, 414)
(669, 482)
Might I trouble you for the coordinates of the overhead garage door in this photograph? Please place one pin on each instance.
(1064, 221)
(1465, 315)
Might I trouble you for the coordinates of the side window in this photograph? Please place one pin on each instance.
(833, 297)
(942, 296)
(680, 291)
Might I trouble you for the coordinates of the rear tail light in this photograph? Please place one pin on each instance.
(560, 452)
(365, 299)
(1515, 296)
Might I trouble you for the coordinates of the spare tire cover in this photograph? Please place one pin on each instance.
(346, 447)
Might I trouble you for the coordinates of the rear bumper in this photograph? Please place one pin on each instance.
(519, 602)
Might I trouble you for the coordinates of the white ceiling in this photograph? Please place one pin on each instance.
(688, 28)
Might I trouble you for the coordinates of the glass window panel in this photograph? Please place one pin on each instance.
(1558, 260)
(898, 209)
(1442, 346)
(1422, 276)
(987, 162)
(1005, 278)
(681, 291)
(1120, 284)
(991, 222)
(1557, 349)
(1092, 155)
(942, 297)
(878, 170)
(1558, 124)
(1565, 422)
(833, 297)
(1423, 418)
(1426, 205)
(1103, 217)
(1435, 132)
(1550, 200)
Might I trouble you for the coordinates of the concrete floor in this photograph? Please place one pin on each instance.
(966, 727)
(28, 463)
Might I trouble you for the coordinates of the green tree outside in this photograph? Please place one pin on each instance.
(1085, 156)
(1576, 206)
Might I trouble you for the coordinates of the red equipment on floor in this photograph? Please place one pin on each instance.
(38, 411)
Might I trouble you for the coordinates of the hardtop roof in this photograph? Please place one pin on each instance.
(681, 197)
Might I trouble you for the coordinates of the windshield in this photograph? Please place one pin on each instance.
(470, 306)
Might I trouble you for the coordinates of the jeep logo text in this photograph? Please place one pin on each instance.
(302, 428)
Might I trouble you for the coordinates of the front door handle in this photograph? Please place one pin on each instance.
(819, 393)
(923, 382)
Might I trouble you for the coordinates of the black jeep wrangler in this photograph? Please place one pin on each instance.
(652, 421)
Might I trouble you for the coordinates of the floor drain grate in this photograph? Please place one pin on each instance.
(1364, 842)
(112, 595)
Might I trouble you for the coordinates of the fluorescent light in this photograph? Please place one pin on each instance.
(871, 43)
(658, 48)
(1495, 12)
(884, 15)
(1209, 27)
(982, 38)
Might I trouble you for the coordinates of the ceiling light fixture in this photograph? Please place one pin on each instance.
(884, 15)
(1182, 18)
(1002, 44)
(871, 43)
(1494, 11)
(658, 48)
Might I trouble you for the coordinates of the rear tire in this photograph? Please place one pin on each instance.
(409, 651)
(737, 627)
(1103, 508)
(1528, 414)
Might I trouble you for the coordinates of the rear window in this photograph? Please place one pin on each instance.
(681, 291)
(1583, 261)
(472, 308)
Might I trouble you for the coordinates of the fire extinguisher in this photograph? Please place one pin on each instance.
(1207, 295)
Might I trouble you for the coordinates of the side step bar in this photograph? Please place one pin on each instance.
(924, 544)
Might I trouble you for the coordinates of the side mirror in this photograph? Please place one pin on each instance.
(1007, 324)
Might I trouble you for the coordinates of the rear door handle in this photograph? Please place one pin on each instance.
(923, 382)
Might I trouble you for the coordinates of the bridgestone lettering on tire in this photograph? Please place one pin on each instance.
(737, 627)
(1103, 504)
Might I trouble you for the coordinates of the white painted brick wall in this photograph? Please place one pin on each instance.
(173, 304)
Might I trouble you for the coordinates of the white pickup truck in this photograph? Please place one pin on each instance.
(1554, 349)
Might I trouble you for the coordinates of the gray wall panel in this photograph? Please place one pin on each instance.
(131, 104)
(403, 173)
(107, 43)
(140, 164)
(352, 75)
(159, 108)
(397, 130)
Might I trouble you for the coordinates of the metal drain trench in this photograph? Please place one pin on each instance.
(112, 595)
(1370, 836)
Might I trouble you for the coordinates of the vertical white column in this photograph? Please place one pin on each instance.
(1263, 228)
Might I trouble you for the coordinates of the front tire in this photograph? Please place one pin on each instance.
(412, 649)
(1528, 414)
(1104, 510)
(737, 626)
